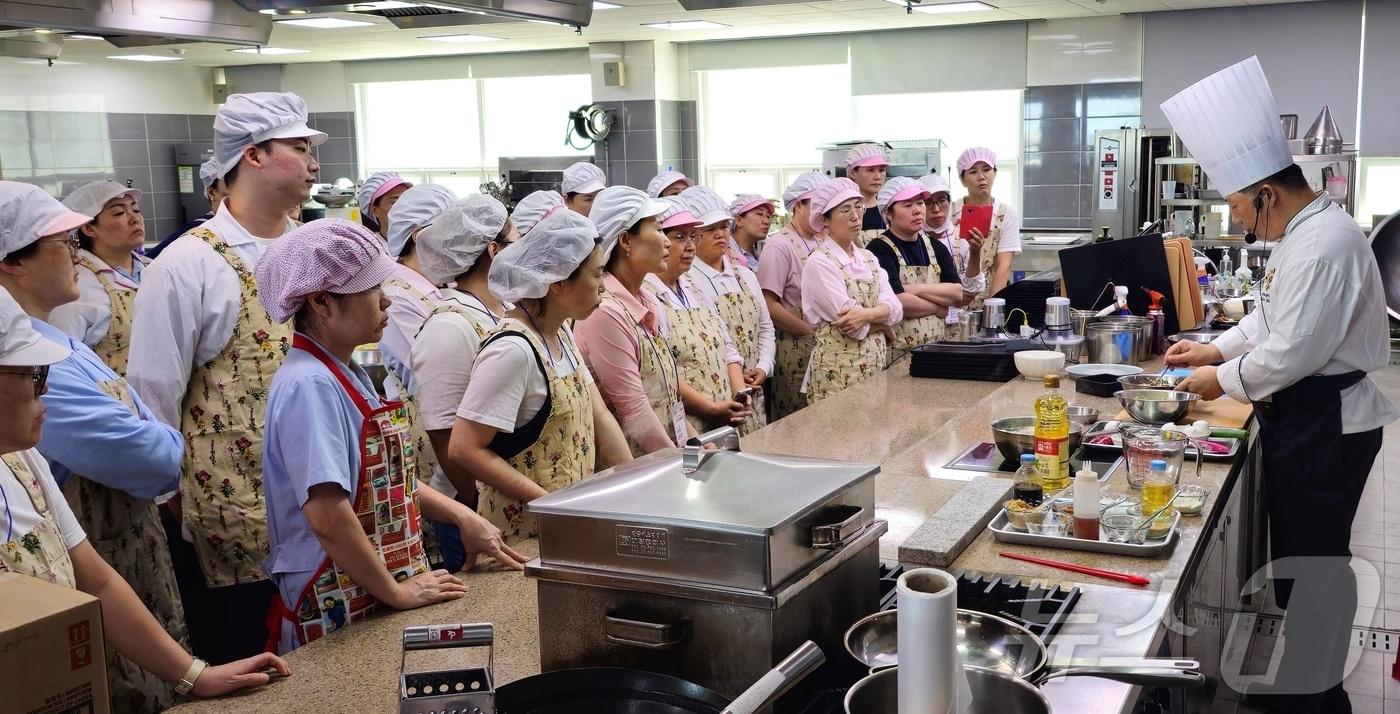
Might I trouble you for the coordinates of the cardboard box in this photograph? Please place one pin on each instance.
(52, 656)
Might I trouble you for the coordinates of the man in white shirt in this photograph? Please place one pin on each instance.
(203, 352)
(1302, 358)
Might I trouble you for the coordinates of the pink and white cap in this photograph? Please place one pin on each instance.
(802, 188)
(27, 214)
(331, 254)
(745, 202)
(677, 215)
(706, 205)
(934, 183)
(899, 188)
(20, 344)
(664, 180)
(828, 196)
(970, 157)
(866, 155)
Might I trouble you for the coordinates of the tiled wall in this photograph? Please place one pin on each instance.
(61, 151)
(1058, 134)
(643, 129)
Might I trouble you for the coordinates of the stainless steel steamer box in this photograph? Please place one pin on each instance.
(742, 520)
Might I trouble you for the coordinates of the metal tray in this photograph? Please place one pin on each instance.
(1097, 430)
(1006, 533)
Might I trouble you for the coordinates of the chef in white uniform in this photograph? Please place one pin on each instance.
(1302, 358)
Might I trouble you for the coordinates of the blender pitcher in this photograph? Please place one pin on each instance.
(1143, 444)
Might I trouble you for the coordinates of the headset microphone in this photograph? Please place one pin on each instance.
(1251, 237)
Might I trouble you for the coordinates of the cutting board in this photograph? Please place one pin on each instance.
(1182, 266)
(1223, 412)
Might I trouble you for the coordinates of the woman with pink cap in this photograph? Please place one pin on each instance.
(345, 500)
(735, 290)
(977, 168)
(712, 372)
(780, 276)
(376, 196)
(753, 216)
(867, 165)
(846, 296)
(668, 183)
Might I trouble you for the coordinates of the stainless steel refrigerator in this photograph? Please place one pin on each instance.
(1122, 178)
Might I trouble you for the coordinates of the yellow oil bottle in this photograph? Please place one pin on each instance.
(1052, 437)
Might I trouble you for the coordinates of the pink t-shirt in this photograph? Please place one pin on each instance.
(780, 271)
(824, 285)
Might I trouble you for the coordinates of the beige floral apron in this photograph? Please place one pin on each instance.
(989, 253)
(741, 313)
(40, 552)
(659, 379)
(793, 352)
(423, 447)
(222, 419)
(912, 332)
(563, 453)
(115, 344)
(837, 360)
(697, 346)
(128, 534)
(386, 504)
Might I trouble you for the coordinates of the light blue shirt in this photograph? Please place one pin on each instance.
(93, 434)
(312, 437)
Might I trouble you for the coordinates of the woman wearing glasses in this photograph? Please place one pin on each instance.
(846, 296)
(108, 452)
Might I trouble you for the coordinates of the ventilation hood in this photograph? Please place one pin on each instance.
(575, 13)
(138, 22)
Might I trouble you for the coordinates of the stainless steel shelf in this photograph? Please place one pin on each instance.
(1193, 202)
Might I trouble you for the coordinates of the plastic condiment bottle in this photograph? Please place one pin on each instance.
(1157, 490)
(1086, 505)
(1052, 437)
(1159, 322)
(1025, 485)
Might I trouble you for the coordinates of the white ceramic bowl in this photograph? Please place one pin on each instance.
(1036, 364)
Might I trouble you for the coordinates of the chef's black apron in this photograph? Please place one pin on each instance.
(1313, 479)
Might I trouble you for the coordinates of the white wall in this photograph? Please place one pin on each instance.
(321, 84)
(1084, 50)
(105, 87)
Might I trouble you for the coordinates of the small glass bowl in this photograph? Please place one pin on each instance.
(1123, 528)
(1159, 527)
(1016, 518)
(1047, 523)
(1191, 499)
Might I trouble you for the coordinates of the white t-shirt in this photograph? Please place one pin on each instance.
(443, 354)
(498, 397)
(20, 517)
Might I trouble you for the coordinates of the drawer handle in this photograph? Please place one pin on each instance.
(830, 536)
(647, 635)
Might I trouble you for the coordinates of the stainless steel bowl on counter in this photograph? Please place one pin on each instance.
(1150, 381)
(1083, 416)
(1016, 435)
(1203, 337)
(1156, 406)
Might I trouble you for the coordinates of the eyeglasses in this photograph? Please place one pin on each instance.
(70, 241)
(684, 238)
(940, 202)
(40, 375)
(848, 211)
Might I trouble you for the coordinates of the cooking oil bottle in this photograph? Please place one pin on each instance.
(1052, 437)
(1157, 490)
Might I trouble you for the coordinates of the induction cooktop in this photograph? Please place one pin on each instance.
(985, 457)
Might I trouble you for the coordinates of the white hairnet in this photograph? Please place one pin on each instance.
(417, 207)
(451, 245)
(553, 250)
(617, 208)
(208, 174)
(533, 208)
(248, 119)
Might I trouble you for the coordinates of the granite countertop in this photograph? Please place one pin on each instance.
(912, 427)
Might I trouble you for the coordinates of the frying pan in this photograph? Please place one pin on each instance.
(996, 644)
(606, 690)
(1385, 243)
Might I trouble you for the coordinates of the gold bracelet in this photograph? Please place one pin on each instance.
(186, 682)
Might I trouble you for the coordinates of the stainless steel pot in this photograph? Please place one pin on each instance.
(992, 693)
(1143, 324)
(1111, 343)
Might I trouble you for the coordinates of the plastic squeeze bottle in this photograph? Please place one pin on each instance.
(1086, 505)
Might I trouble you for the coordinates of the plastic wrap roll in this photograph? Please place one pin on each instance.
(931, 677)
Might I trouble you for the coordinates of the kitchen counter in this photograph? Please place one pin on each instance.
(912, 427)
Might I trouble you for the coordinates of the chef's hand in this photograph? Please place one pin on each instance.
(427, 589)
(754, 378)
(1203, 381)
(1193, 354)
(481, 537)
(729, 412)
(219, 680)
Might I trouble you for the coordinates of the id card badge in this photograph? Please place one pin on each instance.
(678, 423)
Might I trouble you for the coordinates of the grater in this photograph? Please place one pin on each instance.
(450, 691)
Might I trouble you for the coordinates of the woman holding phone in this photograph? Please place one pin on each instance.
(1001, 241)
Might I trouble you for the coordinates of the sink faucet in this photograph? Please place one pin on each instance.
(694, 454)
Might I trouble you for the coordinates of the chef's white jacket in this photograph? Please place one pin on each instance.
(1321, 311)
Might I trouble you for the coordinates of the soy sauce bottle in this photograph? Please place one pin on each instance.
(1026, 485)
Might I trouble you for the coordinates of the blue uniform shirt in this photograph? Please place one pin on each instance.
(93, 434)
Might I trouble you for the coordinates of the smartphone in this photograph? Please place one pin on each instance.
(744, 396)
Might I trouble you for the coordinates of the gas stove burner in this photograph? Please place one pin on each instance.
(986, 458)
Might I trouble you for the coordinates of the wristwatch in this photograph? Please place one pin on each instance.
(186, 682)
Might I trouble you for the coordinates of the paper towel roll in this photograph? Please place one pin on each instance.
(931, 677)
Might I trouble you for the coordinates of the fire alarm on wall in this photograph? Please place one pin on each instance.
(614, 74)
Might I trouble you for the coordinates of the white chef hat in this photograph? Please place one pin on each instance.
(899, 188)
(802, 188)
(248, 119)
(618, 208)
(583, 177)
(1229, 122)
(451, 245)
(552, 251)
(378, 184)
(663, 181)
(20, 344)
(27, 214)
(90, 198)
(417, 207)
(866, 155)
(208, 174)
(706, 205)
(533, 208)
